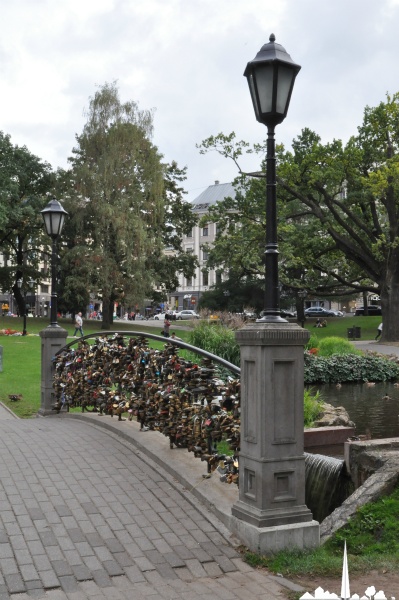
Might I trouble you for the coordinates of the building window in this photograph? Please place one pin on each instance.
(189, 282)
(205, 255)
(44, 289)
(205, 232)
(218, 277)
(190, 234)
(205, 278)
(189, 250)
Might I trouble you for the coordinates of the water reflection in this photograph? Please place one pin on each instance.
(372, 409)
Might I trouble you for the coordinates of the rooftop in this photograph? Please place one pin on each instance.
(212, 194)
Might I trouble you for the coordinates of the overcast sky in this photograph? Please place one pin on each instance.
(185, 59)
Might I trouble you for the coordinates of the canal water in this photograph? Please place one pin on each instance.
(374, 410)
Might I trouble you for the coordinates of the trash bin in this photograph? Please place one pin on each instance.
(351, 333)
(358, 332)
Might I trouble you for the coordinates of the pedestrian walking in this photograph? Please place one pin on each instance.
(166, 327)
(78, 324)
(379, 332)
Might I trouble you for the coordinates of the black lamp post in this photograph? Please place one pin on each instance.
(302, 295)
(271, 76)
(19, 284)
(53, 217)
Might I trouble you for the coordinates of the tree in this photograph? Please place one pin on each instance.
(339, 209)
(25, 182)
(114, 193)
(127, 206)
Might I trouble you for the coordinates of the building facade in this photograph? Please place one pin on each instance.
(189, 291)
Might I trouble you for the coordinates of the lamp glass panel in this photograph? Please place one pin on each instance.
(53, 222)
(264, 82)
(252, 89)
(284, 83)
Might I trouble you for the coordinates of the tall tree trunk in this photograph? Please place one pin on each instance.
(107, 313)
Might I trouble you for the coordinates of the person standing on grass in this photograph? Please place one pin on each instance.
(379, 332)
(78, 324)
(166, 327)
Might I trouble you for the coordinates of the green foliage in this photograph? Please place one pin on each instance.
(313, 342)
(25, 182)
(342, 368)
(115, 196)
(312, 406)
(373, 530)
(336, 345)
(216, 339)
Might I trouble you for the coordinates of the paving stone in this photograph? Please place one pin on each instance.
(6, 550)
(41, 562)
(113, 568)
(174, 559)
(114, 545)
(61, 568)
(8, 566)
(123, 559)
(102, 579)
(212, 569)
(196, 568)
(28, 572)
(15, 584)
(225, 563)
(81, 572)
(68, 583)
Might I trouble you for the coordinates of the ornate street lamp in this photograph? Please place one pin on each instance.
(271, 76)
(53, 217)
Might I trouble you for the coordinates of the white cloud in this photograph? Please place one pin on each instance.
(186, 59)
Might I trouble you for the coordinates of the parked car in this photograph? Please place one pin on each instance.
(338, 313)
(318, 311)
(187, 314)
(373, 310)
(160, 317)
(287, 314)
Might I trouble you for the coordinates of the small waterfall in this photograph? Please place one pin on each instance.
(327, 484)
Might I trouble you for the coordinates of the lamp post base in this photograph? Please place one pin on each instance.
(53, 339)
(270, 540)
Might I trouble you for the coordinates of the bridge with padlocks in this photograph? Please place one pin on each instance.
(195, 403)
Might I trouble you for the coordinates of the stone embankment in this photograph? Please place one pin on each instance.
(374, 468)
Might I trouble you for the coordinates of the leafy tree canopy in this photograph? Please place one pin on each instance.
(338, 211)
(25, 182)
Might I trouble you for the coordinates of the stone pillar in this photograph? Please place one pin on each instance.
(271, 514)
(53, 339)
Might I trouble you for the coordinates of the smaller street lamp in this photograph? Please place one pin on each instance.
(53, 217)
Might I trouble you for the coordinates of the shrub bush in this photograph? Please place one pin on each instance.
(216, 339)
(341, 368)
(336, 345)
(312, 406)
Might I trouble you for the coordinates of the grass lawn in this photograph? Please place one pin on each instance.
(339, 326)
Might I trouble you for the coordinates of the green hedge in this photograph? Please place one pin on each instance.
(348, 367)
